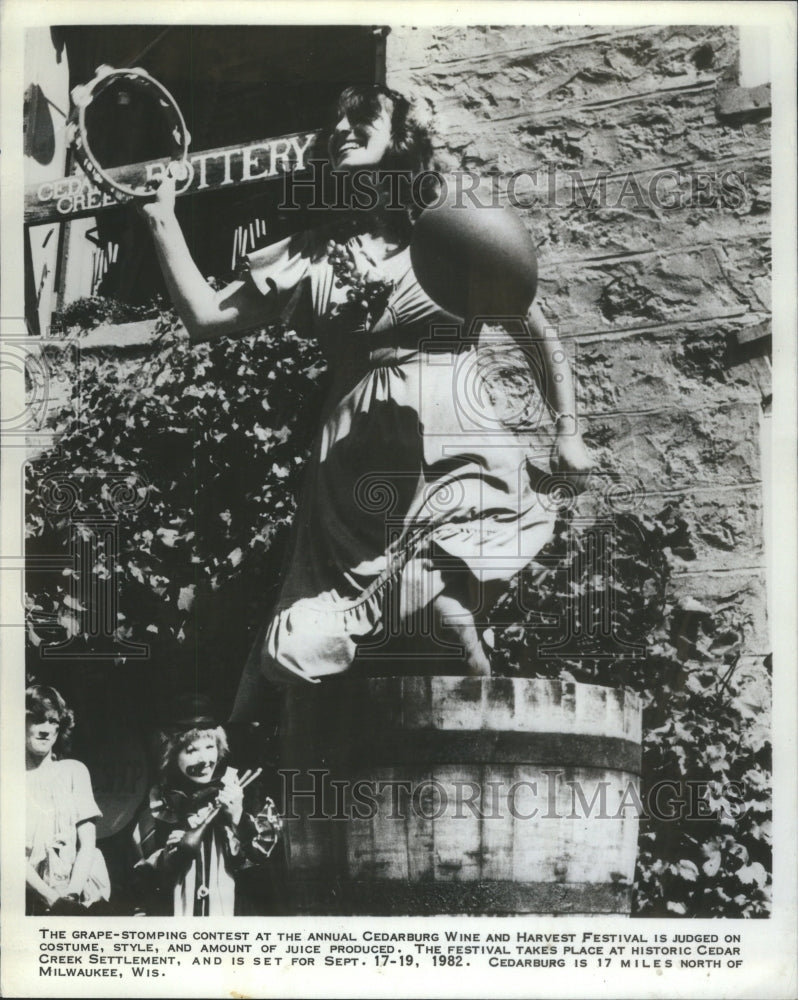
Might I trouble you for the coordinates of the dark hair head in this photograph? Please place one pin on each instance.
(411, 151)
(45, 703)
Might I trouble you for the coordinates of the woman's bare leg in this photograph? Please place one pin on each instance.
(454, 617)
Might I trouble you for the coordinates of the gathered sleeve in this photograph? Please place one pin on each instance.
(281, 271)
(85, 806)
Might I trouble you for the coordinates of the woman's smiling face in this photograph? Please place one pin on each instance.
(197, 761)
(361, 144)
(40, 737)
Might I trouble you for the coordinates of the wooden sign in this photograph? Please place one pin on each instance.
(76, 196)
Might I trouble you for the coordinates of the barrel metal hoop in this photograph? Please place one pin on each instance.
(435, 747)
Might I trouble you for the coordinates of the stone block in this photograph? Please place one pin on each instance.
(683, 285)
(644, 132)
(738, 600)
(687, 366)
(489, 73)
(725, 525)
(752, 684)
(666, 209)
(673, 450)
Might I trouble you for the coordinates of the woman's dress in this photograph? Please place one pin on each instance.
(412, 480)
(59, 798)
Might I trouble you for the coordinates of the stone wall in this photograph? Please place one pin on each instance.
(653, 295)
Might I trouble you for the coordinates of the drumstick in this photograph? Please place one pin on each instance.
(249, 778)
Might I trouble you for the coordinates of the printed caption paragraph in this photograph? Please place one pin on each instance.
(163, 954)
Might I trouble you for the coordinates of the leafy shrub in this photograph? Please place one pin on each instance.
(707, 852)
(207, 444)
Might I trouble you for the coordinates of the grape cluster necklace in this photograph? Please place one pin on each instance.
(369, 295)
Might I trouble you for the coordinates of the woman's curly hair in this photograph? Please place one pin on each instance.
(411, 153)
(43, 703)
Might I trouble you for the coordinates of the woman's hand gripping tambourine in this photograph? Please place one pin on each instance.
(109, 180)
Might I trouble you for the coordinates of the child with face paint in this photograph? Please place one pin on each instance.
(195, 834)
(66, 874)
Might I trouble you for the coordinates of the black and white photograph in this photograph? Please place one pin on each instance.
(398, 468)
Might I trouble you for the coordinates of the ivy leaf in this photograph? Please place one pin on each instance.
(185, 600)
(716, 757)
(687, 870)
(753, 874)
(168, 536)
(70, 625)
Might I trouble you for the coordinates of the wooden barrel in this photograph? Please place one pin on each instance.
(441, 795)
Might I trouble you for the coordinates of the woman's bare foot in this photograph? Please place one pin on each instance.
(452, 618)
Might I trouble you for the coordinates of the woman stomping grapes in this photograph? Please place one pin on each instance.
(405, 517)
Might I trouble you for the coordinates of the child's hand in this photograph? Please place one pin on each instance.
(175, 838)
(231, 800)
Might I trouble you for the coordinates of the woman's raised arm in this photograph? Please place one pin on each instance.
(206, 313)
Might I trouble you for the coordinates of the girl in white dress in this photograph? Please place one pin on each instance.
(66, 873)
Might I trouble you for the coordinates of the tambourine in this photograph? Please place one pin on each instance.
(139, 80)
